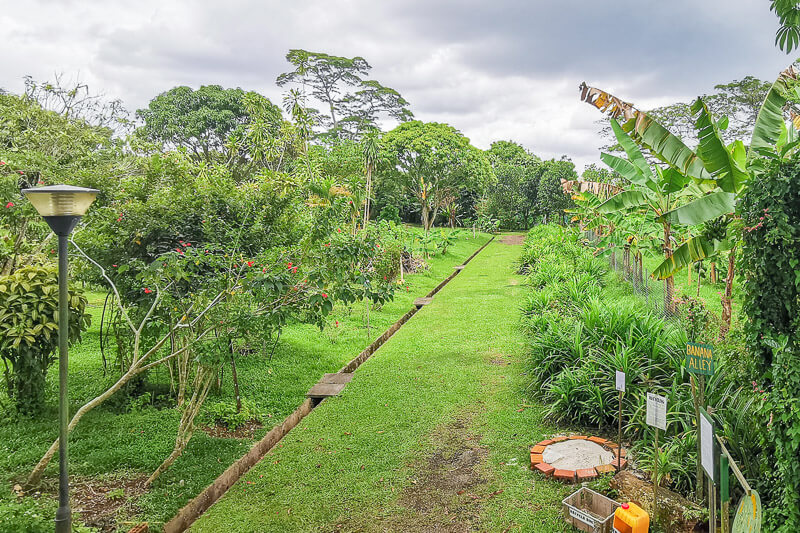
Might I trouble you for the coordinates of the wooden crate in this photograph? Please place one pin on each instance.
(587, 510)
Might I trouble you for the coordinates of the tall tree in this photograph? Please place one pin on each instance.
(433, 161)
(551, 198)
(354, 103)
(512, 198)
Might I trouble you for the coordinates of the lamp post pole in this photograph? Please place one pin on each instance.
(62, 206)
(64, 512)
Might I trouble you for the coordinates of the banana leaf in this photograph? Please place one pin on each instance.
(634, 154)
(770, 120)
(623, 201)
(703, 209)
(626, 169)
(716, 158)
(693, 250)
(666, 146)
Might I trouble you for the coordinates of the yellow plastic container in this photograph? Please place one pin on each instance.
(630, 518)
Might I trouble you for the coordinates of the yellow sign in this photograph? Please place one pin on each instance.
(700, 358)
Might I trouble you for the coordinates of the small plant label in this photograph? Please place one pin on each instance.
(700, 358)
(657, 411)
(620, 381)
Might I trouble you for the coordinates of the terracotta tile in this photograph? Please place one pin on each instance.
(585, 474)
(564, 475)
(547, 469)
(559, 439)
(598, 440)
(578, 437)
(536, 458)
(538, 449)
(547, 442)
(605, 469)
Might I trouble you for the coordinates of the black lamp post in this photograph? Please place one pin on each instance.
(62, 206)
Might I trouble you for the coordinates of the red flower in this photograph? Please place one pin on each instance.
(294, 270)
(9, 205)
(338, 230)
(22, 172)
(250, 263)
(119, 219)
(2, 163)
(115, 266)
(328, 244)
(289, 265)
(188, 244)
(264, 269)
(337, 323)
(147, 291)
(324, 295)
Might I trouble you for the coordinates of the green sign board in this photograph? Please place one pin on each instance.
(700, 358)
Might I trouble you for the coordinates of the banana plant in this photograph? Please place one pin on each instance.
(721, 172)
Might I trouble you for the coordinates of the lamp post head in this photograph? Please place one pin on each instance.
(61, 205)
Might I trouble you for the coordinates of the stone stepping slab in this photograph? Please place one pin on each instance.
(330, 385)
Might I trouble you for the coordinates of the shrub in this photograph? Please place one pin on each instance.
(29, 330)
(770, 210)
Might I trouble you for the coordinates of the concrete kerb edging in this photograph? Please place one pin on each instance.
(203, 501)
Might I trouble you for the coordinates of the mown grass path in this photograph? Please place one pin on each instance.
(432, 434)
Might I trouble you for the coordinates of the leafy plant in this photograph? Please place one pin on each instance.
(29, 330)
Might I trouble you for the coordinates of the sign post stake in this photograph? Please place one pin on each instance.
(620, 386)
(655, 480)
(724, 493)
(619, 433)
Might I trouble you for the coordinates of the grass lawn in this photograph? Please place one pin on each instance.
(124, 442)
(433, 433)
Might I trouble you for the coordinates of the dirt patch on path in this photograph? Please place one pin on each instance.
(513, 240)
(104, 503)
(446, 491)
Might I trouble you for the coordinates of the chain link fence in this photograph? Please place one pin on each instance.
(658, 295)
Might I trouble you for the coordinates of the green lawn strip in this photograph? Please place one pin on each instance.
(351, 462)
(134, 442)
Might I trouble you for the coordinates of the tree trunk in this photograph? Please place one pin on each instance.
(369, 192)
(669, 283)
(714, 273)
(38, 470)
(425, 217)
(235, 378)
(727, 308)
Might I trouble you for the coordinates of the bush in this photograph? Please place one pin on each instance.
(29, 330)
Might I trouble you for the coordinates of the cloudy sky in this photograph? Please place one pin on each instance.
(495, 69)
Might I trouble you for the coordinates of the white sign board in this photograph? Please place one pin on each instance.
(620, 381)
(707, 446)
(657, 411)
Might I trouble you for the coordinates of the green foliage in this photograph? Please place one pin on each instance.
(390, 213)
(223, 413)
(770, 210)
(29, 331)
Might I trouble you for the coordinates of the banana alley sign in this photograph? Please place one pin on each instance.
(700, 358)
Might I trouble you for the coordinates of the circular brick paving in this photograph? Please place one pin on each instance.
(594, 450)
